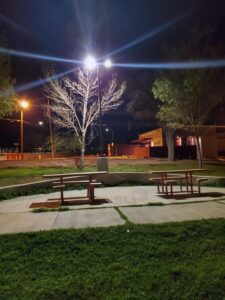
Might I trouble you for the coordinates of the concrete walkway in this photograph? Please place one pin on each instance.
(16, 216)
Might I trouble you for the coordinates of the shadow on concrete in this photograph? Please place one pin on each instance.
(68, 202)
(193, 196)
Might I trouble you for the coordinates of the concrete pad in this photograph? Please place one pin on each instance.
(119, 196)
(16, 216)
(210, 209)
(25, 222)
(21, 204)
(88, 218)
(174, 213)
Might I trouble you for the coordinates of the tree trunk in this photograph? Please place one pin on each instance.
(82, 153)
(199, 152)
(170, 143)
(81, 166)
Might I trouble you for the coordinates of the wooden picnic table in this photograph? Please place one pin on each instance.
(187, 176)
(63, 179)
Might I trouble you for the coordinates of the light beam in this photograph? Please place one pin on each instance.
(37, 56)
(148, 35)
(13, 24)
(202, 64)
(29, 85)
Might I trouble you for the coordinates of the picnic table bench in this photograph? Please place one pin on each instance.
(166, 178)
(60, 181)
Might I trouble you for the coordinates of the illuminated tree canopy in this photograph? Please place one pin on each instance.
(74, 103)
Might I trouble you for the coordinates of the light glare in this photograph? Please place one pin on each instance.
(24, 104)
(90, 63)
(108, 63)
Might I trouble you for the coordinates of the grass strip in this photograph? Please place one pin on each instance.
(44, 209)
(124, 217)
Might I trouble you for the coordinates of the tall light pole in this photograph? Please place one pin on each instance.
(23, 105)
(100, 113)
(91, 64)
(51, 131)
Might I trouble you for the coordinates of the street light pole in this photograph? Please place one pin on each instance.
(100, 112)
(21, 133)
(91, 64)
(112, 133)
(23, 105)
(51, 132)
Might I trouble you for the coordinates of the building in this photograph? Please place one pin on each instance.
(152, 144)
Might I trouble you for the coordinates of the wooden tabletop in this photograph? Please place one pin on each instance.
(177, 171)
(75, 174)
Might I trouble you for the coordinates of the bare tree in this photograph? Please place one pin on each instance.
(74, 103)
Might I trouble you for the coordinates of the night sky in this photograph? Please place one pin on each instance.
(72, 29)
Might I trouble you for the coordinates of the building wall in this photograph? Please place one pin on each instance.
(209, 146)
(128, 150)
(155, 135)
(221, 142)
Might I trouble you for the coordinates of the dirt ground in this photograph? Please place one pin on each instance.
(69, 162)
(89, 161)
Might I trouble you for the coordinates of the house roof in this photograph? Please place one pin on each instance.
(141, 141)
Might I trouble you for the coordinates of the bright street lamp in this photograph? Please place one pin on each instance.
(40, 123)
(23, 105)
(91, 64)
(108, 63)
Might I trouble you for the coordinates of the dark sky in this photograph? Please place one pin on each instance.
(72, 28)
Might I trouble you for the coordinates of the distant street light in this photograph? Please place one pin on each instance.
(91, 64)
(23, 105)
(108, 63)
(110, 129)
(40, 123)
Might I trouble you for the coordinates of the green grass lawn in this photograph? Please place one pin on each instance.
(170, 261)
(211, 169)
(11, 176)
(22, 175)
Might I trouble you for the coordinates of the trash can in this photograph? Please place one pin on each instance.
(102, 164)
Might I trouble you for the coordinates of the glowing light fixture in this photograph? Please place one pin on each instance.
(40, 123)
(24, 104)
(90, 63)
(108, 63)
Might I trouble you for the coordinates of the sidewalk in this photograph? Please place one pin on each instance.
(15, 215)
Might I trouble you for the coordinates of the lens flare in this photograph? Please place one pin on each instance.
(148, 35)
(37, 56)
(175, 65)
(33, 84)
(14, 24)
